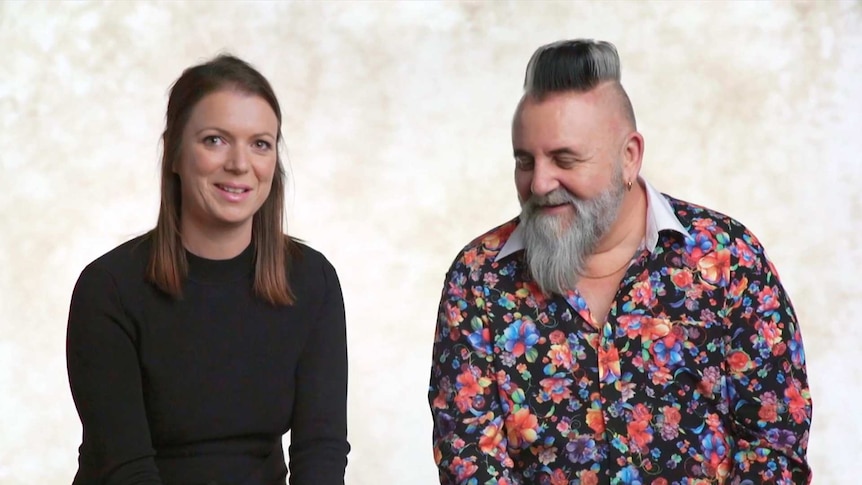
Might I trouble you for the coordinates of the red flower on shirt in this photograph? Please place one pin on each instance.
(739, 361)
(682, 278)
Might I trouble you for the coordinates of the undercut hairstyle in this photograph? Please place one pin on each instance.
(273, 249)
(578, 65)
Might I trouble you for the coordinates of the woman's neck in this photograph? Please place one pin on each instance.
(215, 243)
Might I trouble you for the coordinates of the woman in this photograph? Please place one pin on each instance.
(192, 349)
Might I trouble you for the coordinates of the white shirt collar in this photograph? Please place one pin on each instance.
(660, 217)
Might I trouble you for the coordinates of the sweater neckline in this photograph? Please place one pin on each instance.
(218, 270)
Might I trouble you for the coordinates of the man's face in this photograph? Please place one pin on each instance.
(567, 140)
(569, 176)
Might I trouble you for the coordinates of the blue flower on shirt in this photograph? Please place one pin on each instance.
(628, 476)
(668, 351)
(699, 244)
(519, 337)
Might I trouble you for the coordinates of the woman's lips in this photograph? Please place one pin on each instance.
(233, 193)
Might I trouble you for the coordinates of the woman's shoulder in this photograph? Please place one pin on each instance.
(301, 253)
(129, 257)
(308, 265)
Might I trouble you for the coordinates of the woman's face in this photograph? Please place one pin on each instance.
(228, 159)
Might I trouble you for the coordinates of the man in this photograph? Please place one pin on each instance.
(611, 334)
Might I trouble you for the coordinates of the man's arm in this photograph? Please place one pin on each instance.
(768, 386)
(469, 436)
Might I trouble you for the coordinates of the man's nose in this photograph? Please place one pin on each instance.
(544, 179)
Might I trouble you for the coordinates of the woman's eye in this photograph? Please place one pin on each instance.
(262, 145)
(212, 140)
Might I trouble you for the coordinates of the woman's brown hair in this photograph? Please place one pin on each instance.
(168, 266)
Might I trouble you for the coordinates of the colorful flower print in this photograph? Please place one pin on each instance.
(697, 376)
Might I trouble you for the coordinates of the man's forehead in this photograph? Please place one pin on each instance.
(570, 112)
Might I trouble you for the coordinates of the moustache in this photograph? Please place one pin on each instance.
(556, 197)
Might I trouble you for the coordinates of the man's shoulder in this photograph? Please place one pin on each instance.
(701, 221)
(484, 248)
(494, 239)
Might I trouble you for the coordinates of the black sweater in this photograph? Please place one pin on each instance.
(201, 389)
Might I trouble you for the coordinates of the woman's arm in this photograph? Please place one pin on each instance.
(318, 449)
(105, 379)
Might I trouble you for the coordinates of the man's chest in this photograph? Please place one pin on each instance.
(664, 336)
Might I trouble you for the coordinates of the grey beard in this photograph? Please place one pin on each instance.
(557, 249)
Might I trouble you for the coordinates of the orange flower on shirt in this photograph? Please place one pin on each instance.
(561, 356)
(490, 440)
(453, 315)
(768, 300)
(556, 388)
(738, 287)
(494, 241)
(768, 414)
(609, 364)
(639, 429)
(469, 387)
(470, 257)
(671, 415)
(463, 469)
(521, 428)
(558, 477)
(596, 420)
(798, 402)
(557, 337)
(589, 477)
(770, 332)
(642, 292)
(715, 267)
(655, 328)
(469, 384)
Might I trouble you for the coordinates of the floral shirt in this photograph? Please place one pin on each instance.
(697, 377)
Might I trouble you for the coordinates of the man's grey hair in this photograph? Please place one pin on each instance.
(575, 65)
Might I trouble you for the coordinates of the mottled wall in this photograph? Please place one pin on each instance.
(397, 126)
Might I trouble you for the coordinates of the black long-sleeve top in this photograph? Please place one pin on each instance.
(201, 390)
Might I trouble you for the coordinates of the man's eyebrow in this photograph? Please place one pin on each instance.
(519, 152)
(563, 151)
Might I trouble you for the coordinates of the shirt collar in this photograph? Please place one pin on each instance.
(660, 217)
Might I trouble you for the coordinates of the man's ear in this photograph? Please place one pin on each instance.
(632, 155)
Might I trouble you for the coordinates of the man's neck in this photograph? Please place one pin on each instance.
(624, 237)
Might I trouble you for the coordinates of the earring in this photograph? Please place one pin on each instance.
(629, 186)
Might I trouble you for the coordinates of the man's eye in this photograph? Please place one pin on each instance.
(523, 164)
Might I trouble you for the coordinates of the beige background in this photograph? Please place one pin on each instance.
(397, 127)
